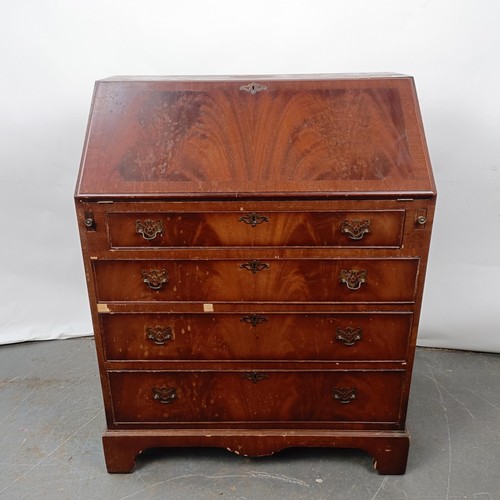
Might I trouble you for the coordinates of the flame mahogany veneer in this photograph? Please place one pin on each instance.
(255, 252)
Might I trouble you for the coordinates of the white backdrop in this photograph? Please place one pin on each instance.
(51, 52)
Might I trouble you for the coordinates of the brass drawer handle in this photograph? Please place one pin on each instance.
(353, 278)
(159, 335)
(355, 229)
(254, 319)
(255, 377)
(149, 229)
(348, 336)
(155, 278)
(254, 266)
(253, 219)
(344, 395)
(164, 395)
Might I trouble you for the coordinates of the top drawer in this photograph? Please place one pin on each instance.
(354, 228)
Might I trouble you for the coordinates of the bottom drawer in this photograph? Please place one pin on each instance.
(230, 396)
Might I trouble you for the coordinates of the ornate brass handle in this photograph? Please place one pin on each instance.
(155, 278)
(348, 336)
(164, 395)
(254, 319)
(255, 377)
(254, 266)
(356, 228)
(253, 219)
(149, 229)
(344, 395)
(159, 335)
(352, 278)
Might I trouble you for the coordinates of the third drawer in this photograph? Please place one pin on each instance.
(256, 336)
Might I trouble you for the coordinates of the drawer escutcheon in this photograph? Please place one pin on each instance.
(253, 219)
(255, 377)
(254, 266)
(254, 319)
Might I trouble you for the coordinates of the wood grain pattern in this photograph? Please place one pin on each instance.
(230, 306)
(289, 280)
(280, 397)
(285, 336)
(356, 134)
(279, 229)
(298, 136)
(388, 448)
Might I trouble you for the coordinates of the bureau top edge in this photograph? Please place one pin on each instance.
(243, 78)
(281, 196)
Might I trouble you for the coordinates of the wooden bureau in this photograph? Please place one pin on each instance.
(255, 251)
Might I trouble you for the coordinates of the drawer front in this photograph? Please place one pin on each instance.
(255, 396)
(264, 336)
(335, 229)
(290, 280)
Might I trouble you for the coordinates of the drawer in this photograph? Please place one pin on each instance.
(220, 229)
(263, 336)
(273, 280)
(284, 396)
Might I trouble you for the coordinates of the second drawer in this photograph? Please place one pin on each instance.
(267, 280)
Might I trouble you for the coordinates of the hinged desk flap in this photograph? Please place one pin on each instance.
(262, 137)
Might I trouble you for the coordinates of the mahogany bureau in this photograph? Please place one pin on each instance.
(255, 251)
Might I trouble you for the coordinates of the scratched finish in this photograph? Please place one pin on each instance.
(179, 134)
(293, 229)
(284, 396)
(283, 280)
(51, 416)
(283, 194)
(274, 336)
(297, 135)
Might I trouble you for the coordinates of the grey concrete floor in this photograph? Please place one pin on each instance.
(52, 420)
